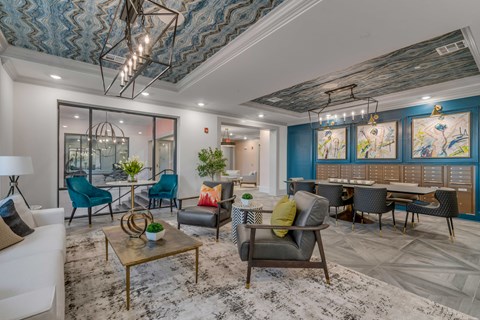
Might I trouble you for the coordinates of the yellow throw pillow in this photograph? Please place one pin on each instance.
(283, 215)
(7, 236)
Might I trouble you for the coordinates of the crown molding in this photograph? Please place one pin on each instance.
(468, 36)
(9, 67)
(3, 43)
(273, 21)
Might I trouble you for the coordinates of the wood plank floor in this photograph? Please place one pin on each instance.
(423, 261)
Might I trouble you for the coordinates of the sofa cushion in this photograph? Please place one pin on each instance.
(209, 196)
(44, 239)
(283, 215)
(33, 272)
(7, 236)
(13, 220)
(22, 209)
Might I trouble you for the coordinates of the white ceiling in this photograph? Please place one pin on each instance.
(279, 52)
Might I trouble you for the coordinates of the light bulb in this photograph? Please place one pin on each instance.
(135, 62)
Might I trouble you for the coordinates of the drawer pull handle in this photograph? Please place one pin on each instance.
(462, 189)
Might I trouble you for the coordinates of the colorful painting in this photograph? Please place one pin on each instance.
(332, 144)
(377, 141)
(445, 136)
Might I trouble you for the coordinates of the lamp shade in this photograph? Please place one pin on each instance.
(15, 166)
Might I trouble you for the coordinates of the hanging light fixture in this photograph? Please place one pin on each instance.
(105, 135)
(226, 141)
(353, 102)
(140, 42)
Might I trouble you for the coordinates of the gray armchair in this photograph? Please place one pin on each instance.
(208, 217)
(259, 246)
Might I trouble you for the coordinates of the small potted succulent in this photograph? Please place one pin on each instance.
(246, 198)
(155, 231)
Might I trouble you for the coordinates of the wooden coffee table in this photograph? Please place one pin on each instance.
(133, 252)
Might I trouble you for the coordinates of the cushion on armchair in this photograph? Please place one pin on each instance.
(283, 215)
(210, 196)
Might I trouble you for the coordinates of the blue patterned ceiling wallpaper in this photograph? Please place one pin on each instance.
(76, 29)
(411, 67)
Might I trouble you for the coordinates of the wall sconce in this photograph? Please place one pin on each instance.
(437, 110)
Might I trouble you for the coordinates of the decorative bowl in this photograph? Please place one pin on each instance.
(155, 236)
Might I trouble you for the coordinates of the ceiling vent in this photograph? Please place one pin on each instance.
(114, 58)
(274, 99)
(452, 47)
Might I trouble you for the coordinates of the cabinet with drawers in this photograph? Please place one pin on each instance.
(412, 174)
(461, 178)
(375, 173)
(359, 171)
(392, 173)
(433, 177)
(346, 171)
(325, 171)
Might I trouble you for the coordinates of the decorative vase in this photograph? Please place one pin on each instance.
(246, 202)
(155, 236)
(132, 178)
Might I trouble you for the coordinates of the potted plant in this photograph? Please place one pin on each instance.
(155, 231)
(246, 198)
(211, 163)
(132, 167)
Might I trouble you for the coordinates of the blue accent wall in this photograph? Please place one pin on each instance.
(301, 148)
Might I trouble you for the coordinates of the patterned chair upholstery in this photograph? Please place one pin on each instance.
(208, 217)
(404, 198)
(334, 194)
(447, 207)
(258, 245)
(372, 200)
(308, 186)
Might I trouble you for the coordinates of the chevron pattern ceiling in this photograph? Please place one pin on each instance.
(76, 29)
(411, 67)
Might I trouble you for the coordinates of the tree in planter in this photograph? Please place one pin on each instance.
(211, 163)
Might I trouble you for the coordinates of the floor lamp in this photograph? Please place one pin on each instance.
(14, 167)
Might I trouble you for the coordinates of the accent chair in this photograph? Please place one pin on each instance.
(165, 188)
(372, 200)
(335, 196)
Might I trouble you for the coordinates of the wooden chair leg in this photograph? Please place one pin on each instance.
(406, 221)
(90, 216)
(111, 211)
(250, 257)
(322, 255)
(71, 217)
(218, 232)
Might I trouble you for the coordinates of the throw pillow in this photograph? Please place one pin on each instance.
(22, 209)
(283, 215)
(210, 196)
(7, 236)
(12, 219)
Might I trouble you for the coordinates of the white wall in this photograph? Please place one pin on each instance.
(35, 134)
(246, 156)
(6, 122)
(282, 157)
(264, 182)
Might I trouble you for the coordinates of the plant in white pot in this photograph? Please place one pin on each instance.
(246, 199)
(155, 231)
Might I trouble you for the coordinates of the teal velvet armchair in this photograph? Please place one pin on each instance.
(166, 188)
(84, 195)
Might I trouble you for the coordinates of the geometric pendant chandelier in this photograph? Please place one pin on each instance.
(139, 44)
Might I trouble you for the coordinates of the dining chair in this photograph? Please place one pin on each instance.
(404, 198)
(165, 188)
(446, 207)
(85, 195)
(372, 200)
(335, 196)
(308, 186)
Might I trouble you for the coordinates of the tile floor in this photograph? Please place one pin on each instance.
(423, 261)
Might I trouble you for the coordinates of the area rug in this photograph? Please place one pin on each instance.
(166, 289)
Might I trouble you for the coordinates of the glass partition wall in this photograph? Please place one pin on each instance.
(92, 141)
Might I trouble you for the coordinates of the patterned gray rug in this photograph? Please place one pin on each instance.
(166, 289)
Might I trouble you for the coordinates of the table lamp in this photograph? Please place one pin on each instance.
(14, 167)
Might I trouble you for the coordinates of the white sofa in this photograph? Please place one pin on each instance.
(32, 282)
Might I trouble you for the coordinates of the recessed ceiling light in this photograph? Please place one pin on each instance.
(139, 132)
(244, 138)
(76, 116)
(56, 77)
(231, 134)
(261, 115)
(417, 67)
(65, 126)
(426, 97)
(121, 121)
(145, 94)
(201, 104)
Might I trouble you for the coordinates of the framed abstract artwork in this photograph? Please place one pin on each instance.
(332, 144)
(444, 136)
(377, 141)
